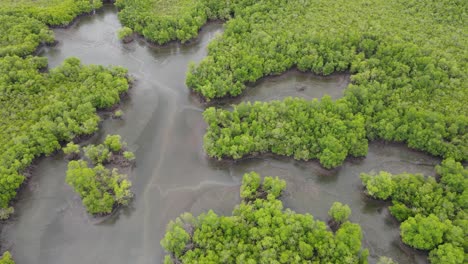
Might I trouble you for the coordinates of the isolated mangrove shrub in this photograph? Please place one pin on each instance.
(101, 189)
(6, 258)
(433, 213)
(118, 114)
(97, 154)
(380, 186)
(339, 213)
(114, 143)
(71, 148)
(163, 21)
(260, 230)
(124, 32)
(406, 88)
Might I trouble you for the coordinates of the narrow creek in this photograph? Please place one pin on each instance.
(164, 126)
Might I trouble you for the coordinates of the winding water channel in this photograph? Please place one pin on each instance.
(164, 126)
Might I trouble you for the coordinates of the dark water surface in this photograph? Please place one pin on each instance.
(164, 126)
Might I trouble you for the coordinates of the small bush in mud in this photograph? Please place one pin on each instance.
(6, 212)
(125, 34)
(129, 155)
(118, 114)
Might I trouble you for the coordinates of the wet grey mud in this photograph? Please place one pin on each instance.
(163, 124)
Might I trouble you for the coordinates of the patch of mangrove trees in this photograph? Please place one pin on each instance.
(260, 230)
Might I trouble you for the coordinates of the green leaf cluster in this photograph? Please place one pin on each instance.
(114, 143)
(124, 32)
(100, 188)
(306, 130)
(6, 258)
(129, 155)
(339, 212)
(434, 214)
(260, 230)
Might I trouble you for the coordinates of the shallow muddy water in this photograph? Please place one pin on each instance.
(163, 125)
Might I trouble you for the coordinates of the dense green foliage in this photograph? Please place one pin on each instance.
(408, 61)
(114, 143)
(294, 127)
(100, 188)
(71, 148)
(434, 214)
(50, 12)
(407, 88)
(41, 110)
(260, 231)
(6, 258)
(97, 154)
(164, 20)
(447, 254)
(339, 212)
(21, 35)
(124, 33)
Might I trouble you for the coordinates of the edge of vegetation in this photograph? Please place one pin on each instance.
(433, 211)
(260, 230)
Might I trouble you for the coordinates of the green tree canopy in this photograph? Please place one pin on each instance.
(260, 230)
(101, 188)
(447, 254)
(434, 214)
(294, 127)
(50, 12)
(339, 212)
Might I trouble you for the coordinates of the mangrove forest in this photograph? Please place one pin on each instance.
(131, 132)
